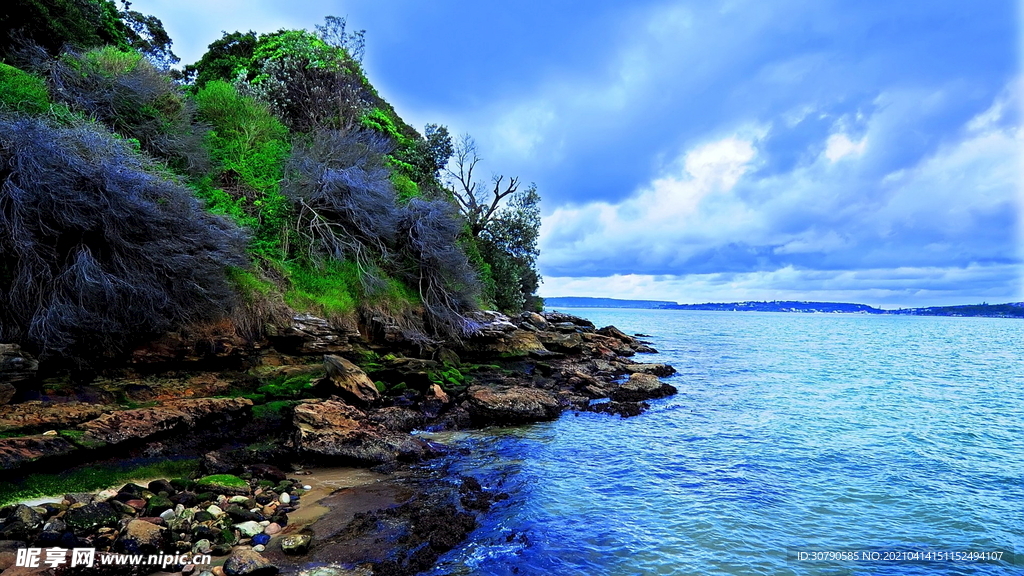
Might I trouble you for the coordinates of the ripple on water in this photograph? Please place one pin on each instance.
(790, 430)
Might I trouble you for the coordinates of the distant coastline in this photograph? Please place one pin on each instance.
(1008, 310)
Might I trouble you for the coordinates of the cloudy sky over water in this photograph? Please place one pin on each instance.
(718, 150)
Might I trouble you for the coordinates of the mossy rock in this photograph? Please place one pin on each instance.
(91, 516)
(158, 504)
(182, 484)
(224, 484)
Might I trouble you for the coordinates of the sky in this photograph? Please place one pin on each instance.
(717, 150)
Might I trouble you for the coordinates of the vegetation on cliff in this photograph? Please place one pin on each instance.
(268, 178)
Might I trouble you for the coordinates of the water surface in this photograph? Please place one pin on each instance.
(790, 431)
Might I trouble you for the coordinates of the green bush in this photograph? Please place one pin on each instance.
(250, 147)
(22, 92)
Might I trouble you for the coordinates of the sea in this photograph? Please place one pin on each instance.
(799, 444)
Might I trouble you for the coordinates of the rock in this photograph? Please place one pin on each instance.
(330, 428)
(511, 405)
(35, 415)
(272, 528)
(285, 499)
(91, 516)
(259, 539)
(15, 366)
(398, 419)
(642, 387)
(29, 517)
(571, 343)
(652, 369)
(215, 511)
(177, 415)
(536, 320)
(158, 486)
(202, 546)
(247, 562)
(435, 391)
(488, 323)
(141, 537)
(296, 544)
(563, 318)
(517, 343)
(249, 529)
(7, 392)
(266, 472)
(223, 484)
(157, 505)
(19, 451)
(623, 409)
(348, 381)
(309, 335)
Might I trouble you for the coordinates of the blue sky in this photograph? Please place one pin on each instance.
(717, 151)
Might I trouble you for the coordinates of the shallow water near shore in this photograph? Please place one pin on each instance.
(791, 432)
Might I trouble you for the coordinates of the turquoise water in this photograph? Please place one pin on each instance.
(790, 432)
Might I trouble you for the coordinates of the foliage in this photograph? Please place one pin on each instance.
(333, 32)
(97, 249)
(503, 225)
(287, 386)
(22, 92)
(448, 379)
(147, 35)
(250, 147)
(128, 94)
(54, 24)
(226, 58)
(91, 478)
(330, 288)
(429, 232)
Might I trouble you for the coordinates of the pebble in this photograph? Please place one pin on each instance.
(215, 510)
(167, 515)
(249, 529)
(105, 495)
(218, 571)
(272, 528)
(285, 498)
(307, 487)
(260, 539)
(259, 548)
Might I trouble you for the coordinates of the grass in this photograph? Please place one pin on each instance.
(91, 478)
(221, 480)
(22, 91)
(332, 289)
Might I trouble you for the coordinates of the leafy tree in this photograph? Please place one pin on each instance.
(81, 24)
(503, 224)
(225, 59)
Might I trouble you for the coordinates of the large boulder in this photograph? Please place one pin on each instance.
(642, 387)
(334, 430)
(652, 369)
(510, 405)
(571, 342)
(348, 381)
(16, 452)
(15, 366)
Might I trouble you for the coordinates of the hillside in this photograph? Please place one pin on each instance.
(268, 180)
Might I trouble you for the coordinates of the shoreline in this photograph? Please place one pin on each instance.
(515, 371)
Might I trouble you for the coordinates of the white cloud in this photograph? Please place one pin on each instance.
(839, 145)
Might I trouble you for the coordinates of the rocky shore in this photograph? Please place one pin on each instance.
(312, 395)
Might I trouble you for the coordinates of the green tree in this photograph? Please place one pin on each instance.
(503, 225)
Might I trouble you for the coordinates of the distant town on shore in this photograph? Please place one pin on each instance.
(1008, 310)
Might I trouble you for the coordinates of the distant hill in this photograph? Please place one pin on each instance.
(582, 302)
(1009, 310)
(783, 306)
